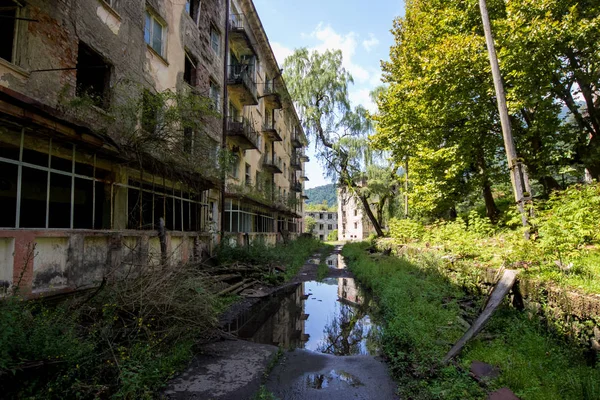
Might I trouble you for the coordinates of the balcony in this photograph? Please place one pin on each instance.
(240, 82)
(271, 96)
(272, 132)
(272, 165)
(303, 157)
(241, 134)
(303, 178)
(297, 141)
(304, 197)
(240, 39)
(295, 163)
(296, 187)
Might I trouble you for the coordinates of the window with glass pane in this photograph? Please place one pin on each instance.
(154, 33)
(215, 40)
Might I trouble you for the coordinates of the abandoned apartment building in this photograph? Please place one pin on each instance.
(100, 170)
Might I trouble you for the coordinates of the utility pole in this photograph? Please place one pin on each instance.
(406, 188)
(518, 172)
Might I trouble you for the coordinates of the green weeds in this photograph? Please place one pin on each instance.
(425, 313)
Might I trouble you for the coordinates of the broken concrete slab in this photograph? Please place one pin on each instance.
(229, 370)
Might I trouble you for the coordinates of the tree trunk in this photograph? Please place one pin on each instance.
(491, 211)
(372, 218)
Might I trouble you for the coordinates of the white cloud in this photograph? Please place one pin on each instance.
(281, 52)
(363, 97)
(371, 42)
(347, 43)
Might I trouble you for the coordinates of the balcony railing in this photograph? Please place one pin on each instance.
(272, 164)
(242, 134)
(272, 95)
(297, 141)
(239, 34)
(295, 163)
(271, 131)
(296, 187)
(241, 81)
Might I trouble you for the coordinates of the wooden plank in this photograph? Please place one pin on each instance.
(500, 291)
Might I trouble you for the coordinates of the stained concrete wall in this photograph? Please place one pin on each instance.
(51, 261)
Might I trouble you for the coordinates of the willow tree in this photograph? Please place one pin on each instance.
(318, 84)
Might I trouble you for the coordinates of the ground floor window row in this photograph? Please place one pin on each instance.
(50, 185)
(243, 218)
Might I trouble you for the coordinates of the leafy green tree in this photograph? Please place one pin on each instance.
(318, 84)
(309, 224)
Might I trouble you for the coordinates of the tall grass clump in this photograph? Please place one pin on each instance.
(123, 340)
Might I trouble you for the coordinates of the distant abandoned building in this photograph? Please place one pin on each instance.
(117, 148)
(354, 223)
(326, 223)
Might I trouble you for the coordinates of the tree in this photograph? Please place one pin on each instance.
(318, 85)
(310, 224)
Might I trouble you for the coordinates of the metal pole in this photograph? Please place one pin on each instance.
(406, 188)
(224, 112)
(518, 173)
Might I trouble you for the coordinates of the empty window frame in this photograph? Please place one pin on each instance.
(155, 33)
(44, 184)
(180, 209)
(190, 70)
(215, 40)
(330, 227)
(235, 166)
(329, 216)
(192, 8)
(93, 76)
(10, 10)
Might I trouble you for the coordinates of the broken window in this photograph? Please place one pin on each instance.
(189, 72)
(154, 33)
(9, 12)
(53, 188)
(93, 76)
(192, 8)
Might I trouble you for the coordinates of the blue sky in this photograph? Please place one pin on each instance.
(360, 28)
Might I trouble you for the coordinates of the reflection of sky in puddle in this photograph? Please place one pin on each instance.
(328, 317)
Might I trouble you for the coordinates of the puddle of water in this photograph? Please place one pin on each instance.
(322, 381)
(329, 317)
(335, 261)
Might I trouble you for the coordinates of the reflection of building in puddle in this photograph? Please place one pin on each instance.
(336, 261)
(279, 321)
(348, 291)
(321, 381)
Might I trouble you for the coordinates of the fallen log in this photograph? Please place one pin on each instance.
(233, 287)
(501, 289)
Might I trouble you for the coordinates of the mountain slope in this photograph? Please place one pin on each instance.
(320, 193)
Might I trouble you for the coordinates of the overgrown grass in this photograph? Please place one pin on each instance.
(126, 340)
(564, 248)
(291, 255)
(423, 313)
(323, 268)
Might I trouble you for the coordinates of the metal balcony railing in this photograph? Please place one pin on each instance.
(242, 133)
(242, 74)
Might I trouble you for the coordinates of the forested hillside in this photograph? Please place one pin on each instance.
(320, 193)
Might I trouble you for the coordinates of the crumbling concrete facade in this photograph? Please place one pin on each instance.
(82, 197)
(326, 223)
